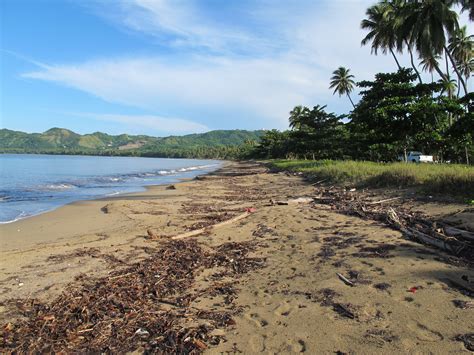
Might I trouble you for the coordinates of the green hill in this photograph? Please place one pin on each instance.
(215, 144)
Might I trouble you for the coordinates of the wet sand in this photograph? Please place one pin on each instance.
(296, 302)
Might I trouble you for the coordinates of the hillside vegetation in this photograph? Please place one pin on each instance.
(214, 144)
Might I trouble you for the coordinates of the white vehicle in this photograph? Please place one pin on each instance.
(416, 157)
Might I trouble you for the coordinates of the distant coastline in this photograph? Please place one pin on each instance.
(219, 144)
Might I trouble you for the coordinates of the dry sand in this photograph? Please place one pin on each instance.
(296, 303)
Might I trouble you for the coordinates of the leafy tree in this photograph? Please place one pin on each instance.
(396, 115)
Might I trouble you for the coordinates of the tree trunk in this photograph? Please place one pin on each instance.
(413, 63)
(467, 154)
(349, 96)
(396, 60)
(440, 73)
(456, 69)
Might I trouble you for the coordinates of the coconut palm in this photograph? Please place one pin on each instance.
(426, 24)
(466, 68)
(342, 82)
(296, 116)
(449, 87)
(430, 64)
(381, 31)
(395, 10)
(467, 5)
(461, 46)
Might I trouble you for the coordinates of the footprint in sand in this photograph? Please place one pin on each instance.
(256, 319)
(423, 333)
(283, 309)
(257, 343)
(294, 346)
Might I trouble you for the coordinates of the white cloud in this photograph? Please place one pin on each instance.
(288, 54)
(164, 125)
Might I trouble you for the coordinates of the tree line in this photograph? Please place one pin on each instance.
(397, 111)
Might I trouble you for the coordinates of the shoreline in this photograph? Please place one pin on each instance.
(140, 188)
(268, 286)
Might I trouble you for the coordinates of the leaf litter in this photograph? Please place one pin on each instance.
(145, 306)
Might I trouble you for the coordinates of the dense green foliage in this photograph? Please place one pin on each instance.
(433, 178)
(215, 144)
(397, 112)
(394, 115)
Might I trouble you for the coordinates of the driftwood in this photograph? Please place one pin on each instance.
(295, 201)
(456, 232)
(383, 201)
(217, 225)
(414, 225)
(345, 280)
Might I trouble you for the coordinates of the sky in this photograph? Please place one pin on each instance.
(163, 67)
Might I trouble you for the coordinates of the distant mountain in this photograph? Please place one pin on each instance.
(64, 141)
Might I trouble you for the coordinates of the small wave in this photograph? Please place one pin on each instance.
(56, 187)
(22, 215)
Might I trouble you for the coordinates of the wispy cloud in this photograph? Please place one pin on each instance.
(279, 55)
(157, 124)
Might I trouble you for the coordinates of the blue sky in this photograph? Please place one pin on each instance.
(163, 67)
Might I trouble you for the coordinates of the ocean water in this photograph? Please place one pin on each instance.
(32, 184)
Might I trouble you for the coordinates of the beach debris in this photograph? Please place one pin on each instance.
(171, 187)
(467, 339)
(414, 289)
(319, 182)
(345, 280)
(250, 210)
(463, 304)
(295, 201)
(209, 228)
(142, 332)
(125, 311)
(414, 225)
(344, 310)
(383, 201)
(382, 286)
(263, 230)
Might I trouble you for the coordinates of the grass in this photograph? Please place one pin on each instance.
(447, 179)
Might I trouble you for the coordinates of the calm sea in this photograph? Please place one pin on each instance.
(32, 184)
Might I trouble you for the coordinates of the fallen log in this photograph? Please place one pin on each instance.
(456, 232)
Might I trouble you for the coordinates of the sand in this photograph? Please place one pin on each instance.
(291, 305)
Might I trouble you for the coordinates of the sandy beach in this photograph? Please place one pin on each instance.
(270, 273)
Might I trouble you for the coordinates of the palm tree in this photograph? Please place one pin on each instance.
(430, 64)
(425, 25)
(467, 5)
(381, 31)
(467, 68)
(449, 87)
(461, 46)
(342, 82)
(296, 116)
